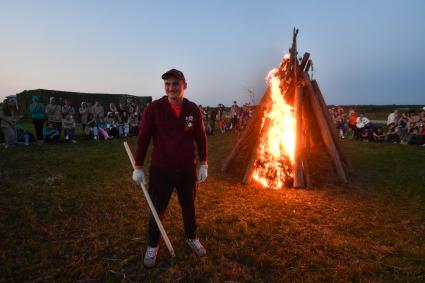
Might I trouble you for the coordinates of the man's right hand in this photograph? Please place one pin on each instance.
(139, 176)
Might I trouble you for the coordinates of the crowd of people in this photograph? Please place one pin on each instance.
(56, 122)
(219, 118)
(404, 128)
(53, 121)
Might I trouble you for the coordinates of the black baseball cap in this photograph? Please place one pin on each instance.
(175, 74)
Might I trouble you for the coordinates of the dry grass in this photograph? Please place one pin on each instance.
(70, 213)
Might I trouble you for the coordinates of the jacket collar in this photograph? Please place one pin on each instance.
(164, 100)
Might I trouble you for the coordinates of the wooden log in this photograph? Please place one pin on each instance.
(307, 68)
(253, 125)
(304, 62)
(298, 170)
(324, 130)
(306, 142)
(250, 167)
(331, 125)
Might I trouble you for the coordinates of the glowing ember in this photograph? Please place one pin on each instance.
(275, 154)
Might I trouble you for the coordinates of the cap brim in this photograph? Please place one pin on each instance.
(167, 76)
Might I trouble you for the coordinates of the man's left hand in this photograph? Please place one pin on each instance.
(203, 173)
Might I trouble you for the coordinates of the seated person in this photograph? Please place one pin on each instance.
(91, 127)
(68, 124)
(378, 135)
(364, 134)
(51, 133)
(363, 123)
(392, 134)
(103, 129)
(112, 125)
(415, 137)
(229, 126)
(23, 136)
(402, 126)
(123, 125)
(134, 124)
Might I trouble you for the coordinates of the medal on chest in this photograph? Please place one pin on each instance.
(188, 123)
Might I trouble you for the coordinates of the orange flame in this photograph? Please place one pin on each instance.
(275, 154)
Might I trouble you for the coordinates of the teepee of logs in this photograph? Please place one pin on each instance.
(291, 140)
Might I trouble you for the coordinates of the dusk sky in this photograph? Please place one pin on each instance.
(364, 52)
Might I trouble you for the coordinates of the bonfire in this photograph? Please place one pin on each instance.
(291, 140)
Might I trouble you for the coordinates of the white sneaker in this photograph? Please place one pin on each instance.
(196, 246)
(74, 141)
(150, 256)
(96, 138)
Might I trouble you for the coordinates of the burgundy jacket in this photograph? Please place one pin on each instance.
(173, 138)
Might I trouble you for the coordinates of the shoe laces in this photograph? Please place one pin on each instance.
(196, 243)
(151, 252)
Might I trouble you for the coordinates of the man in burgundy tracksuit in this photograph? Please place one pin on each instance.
(175, 125)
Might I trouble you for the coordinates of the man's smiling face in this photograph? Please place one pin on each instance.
(174, 88)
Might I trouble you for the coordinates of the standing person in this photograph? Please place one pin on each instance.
(67, 109)
(113, 108)
(134, 108)
(244, 116)
(90, 107)
(234, 113)
(213, 119)
(9, 116)
(54, 114)
(220, 117)
(98, 111)
(340, 125)
(37, 110)
(84, 112)
(174, 123)
(121, 109)
(352, 123)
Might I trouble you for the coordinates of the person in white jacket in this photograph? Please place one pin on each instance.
(363, 123)
(393, 117)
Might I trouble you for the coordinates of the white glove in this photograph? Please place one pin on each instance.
(139, 176)
(203, 173)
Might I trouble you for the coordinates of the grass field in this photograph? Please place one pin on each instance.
(70, 213)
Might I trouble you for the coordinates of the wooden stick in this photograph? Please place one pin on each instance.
(324, 130)
(151, 206)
